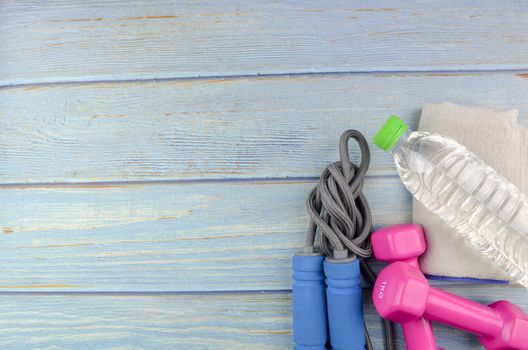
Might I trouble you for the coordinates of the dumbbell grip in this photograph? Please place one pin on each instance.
(419, 335)
(461, 313)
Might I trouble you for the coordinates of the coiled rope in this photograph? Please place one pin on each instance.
(341, 215)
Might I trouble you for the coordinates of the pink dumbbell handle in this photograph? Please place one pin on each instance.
(405, 243)
(419, 335)
(461, 313)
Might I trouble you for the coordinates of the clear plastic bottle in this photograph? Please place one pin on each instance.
(479, 203)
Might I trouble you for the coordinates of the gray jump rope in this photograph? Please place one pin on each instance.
(340, 212)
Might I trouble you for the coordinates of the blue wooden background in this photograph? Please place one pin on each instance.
(155, 156)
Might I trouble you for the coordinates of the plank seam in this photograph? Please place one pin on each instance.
(270, 180)
(213, 292)
(147, 293)
(271, 75)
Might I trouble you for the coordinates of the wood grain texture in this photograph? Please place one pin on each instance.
(260, 321)
(221, 128)
(163, 237)
(133, 322)
(65, 40)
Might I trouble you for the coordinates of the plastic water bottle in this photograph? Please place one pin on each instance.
(479, 203)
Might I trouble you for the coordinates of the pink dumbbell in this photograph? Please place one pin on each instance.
(405, 243)
(402, 294)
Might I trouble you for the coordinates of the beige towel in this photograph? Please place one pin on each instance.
(497, 138)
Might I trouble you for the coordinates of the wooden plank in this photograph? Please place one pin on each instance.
(179, 321)
(63, 40)
(163, 237)
(221, 128)
(132, 322)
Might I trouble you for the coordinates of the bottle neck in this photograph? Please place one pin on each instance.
(403, 139)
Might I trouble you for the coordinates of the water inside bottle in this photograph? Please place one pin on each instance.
(470, 196)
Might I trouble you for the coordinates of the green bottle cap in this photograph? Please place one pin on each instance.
(390, 133)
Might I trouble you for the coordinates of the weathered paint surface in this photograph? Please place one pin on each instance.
(63, 40)
(185, 321)
(163, 237)
(221, 128)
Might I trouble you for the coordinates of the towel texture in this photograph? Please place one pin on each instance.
(497, 138)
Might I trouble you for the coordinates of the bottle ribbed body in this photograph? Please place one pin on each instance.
(469, 195)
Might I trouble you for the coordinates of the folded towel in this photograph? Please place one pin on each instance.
(499, 140)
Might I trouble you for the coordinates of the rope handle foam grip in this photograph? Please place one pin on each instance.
(345, 304)
(309, 302)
